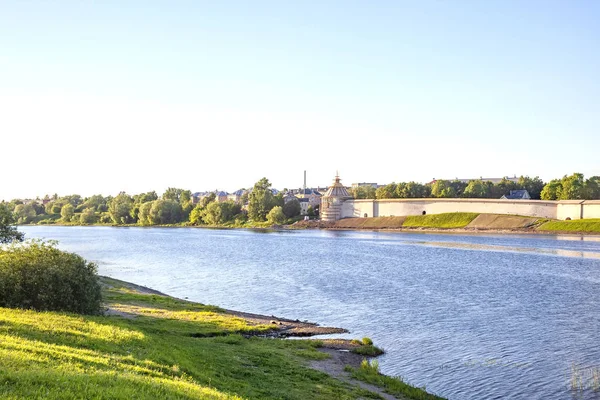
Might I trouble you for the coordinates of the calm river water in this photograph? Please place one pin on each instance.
(468, 316)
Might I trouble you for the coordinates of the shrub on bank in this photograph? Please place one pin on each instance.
(39, 276)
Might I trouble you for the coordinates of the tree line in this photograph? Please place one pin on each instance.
(175, 206)
(572, 187)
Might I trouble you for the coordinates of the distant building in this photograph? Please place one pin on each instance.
(361, 184)
(236, 196)
(331, 202)
(517, 195)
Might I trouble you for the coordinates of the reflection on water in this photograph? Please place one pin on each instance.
(469, 316)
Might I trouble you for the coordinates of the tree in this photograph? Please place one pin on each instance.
(363, 192)
(24, 213)
(88, 216)
(179, 195)
(292, 208)
(159, 212)
(552, 190)
(41, 277)
(96, 202)
(592, 188)
(478, 189)
(413, 190)
(573, 187)
(261, 200)
(119, 208)
(534, 186)
(442, 188)
(219, 213)
(8, 232)
(502, 188)
(145, 197)
(386, 192)
(67, 211)
(206, 200)
(144, 212)
(276, 216)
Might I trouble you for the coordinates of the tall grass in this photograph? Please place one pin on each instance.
(578, 225)
(369, 372)
(156, 347)
(444, 221)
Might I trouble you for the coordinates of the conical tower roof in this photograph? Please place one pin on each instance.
(337, 190)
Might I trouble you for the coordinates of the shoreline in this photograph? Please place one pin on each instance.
(338, 353)
(318, 225)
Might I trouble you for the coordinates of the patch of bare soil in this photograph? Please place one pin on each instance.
(495, 221)
(334, 366)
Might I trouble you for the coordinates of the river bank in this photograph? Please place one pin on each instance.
(149, 345)
(459, 223)
(434, 223)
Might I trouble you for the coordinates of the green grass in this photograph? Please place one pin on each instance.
(445, 221)
(159, 348)
(578, 225)
(369, 372)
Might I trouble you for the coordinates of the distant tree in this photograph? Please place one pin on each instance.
(8, 230)
(363, 192)
(261, 200)
(73, 199)
(276, 216)
(534, 186)
(119, 209)
(88, 216)
(292, 208)
(502, 188)
(218, 213)
(145, 197)
(573, 187)
(478, 189)
(310, 211)
(178, 195)
(165, 212)
(386, 192)
(552, 190)
(67, 211)
(209, 198)
(245, 197)
(96, 202)
(442, 188)
(412, 190)
(197, 214)
(24, 213)
(144, 212)
(592, 188)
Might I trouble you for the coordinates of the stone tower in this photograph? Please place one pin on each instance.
(331, 202)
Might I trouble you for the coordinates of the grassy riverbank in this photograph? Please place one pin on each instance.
(151, 346)
(578, 225)
(467, 222)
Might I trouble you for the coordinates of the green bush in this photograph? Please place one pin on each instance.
(38, 276)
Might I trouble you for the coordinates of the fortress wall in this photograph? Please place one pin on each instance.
(402, 207)
(358, 208)
(569, 209)
(591, 209)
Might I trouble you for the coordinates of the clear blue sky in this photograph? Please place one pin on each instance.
(98, 97)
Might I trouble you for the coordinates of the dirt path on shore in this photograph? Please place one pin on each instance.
(335, 364)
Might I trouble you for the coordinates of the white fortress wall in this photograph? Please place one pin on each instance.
(357, 208)
(591, 209)
(569, 209)
(401, 207)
